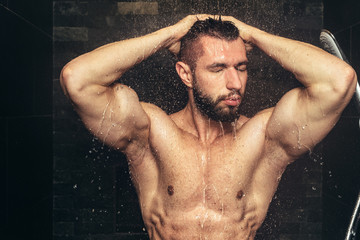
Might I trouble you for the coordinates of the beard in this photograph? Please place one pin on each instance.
(209, 107)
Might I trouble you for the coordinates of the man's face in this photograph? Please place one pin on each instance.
(219, 78)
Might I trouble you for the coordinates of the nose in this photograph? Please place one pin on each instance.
(234, 79)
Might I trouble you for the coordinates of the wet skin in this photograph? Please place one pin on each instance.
(197, 178)
(217, 187)
(194, 190)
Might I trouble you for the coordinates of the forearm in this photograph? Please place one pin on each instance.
(310, 65)
(108, 63)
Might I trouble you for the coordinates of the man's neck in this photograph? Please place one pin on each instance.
(206, 130)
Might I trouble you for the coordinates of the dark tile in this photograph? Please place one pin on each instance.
(341, 176)
(315, 216)
(312, 228)
(64, 229)
(69, 8)
(290, 228)
(64, 201)
(93, 228)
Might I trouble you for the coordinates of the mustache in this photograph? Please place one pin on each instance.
(232, 94)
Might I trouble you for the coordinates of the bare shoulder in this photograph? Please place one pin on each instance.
(266, 113)
(156, 114)
(160, 121)
(259, 121)
(273, 154)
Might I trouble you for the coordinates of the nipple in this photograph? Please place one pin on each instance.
(170, 190)
(240, 195)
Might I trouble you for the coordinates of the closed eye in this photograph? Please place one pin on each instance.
(217, 67)
(242, 67)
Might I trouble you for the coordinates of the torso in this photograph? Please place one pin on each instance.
(191, 190)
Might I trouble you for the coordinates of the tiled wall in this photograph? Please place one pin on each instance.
(93, 196)
(85, 203)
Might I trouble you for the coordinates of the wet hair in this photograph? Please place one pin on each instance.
(190, 51)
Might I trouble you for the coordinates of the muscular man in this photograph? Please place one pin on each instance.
(208, 172)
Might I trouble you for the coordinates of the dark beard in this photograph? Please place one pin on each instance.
(207, 106)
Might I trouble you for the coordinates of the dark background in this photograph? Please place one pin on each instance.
(28, 121)
(341, 179)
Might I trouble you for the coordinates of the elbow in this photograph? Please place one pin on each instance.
(64, 79)
(342, 84)
(68, 81)
(352, 78)
(348, 82)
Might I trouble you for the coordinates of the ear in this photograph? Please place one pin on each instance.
(184, 73)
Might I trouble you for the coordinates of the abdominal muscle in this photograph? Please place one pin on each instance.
(201, 221)
(219, 202)
(190, 190)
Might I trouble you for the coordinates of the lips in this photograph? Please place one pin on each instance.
(233, 100)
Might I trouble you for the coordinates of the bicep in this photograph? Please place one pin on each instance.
(113, 114)
(299, 121)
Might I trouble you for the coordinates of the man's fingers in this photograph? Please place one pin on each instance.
(204, 16)
(248, 46)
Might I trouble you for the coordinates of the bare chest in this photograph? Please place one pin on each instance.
(205, 185)
(214, 176)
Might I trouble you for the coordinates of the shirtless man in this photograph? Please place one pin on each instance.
(207, 172)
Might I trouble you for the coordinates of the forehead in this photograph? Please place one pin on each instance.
(219, 50)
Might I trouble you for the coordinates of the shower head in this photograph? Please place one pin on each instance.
(329, 44)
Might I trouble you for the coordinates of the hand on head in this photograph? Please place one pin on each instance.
(244, 31)
(183, 26)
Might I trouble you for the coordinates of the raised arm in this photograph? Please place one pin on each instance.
(112, 111)
(304, 116)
